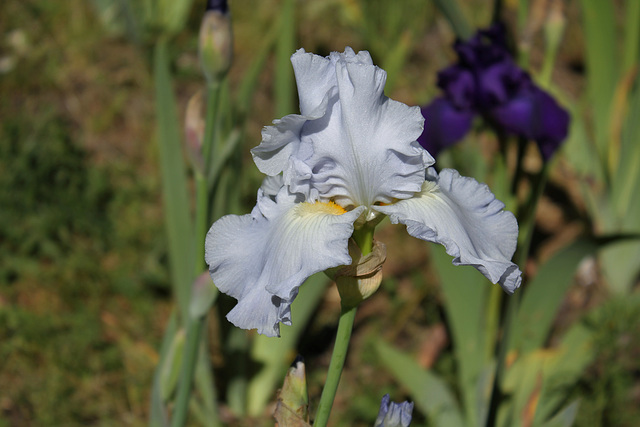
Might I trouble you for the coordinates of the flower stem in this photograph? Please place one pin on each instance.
(202, 195)
(343, 336)
(364, 239)
(209, 143)
(194, 328)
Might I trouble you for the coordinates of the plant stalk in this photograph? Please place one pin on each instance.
(343, 336)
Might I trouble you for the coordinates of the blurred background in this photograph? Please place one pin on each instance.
(85, 289)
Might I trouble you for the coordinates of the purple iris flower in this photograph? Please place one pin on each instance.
(487, 81)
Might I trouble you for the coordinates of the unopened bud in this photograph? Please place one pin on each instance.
(194, 130)
(216, 41)
(394, 414)
(203, 295)
(292, 409)
(361, 279)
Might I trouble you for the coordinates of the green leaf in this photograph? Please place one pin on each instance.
(253, 72)
(632, 35)
(602, 65)
(626, 181)
(430, 393)
(565, 417)
(465, 294)
(544, 294)
(158, 416)
(174, 182)
(620, 266)
(171, 364)
(564, 369)
(538, 381)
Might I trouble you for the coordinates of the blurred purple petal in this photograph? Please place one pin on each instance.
(444, 125)
(485, 48)
(459, 86)
(487, 81)
(534, 114)
(499, 82)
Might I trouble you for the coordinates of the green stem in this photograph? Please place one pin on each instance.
(194, 329)
(518, 172)
(527, 222)
(523, 19)
(211, 118)
(527, 216)
(496, 392)
(205, 383)
(343, 336)
(493, 319)
(202, 193)
(204, 376)
(174, 182)
(497, 11)
(158, 413)
(364, 239)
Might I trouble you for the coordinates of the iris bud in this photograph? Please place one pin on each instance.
(215, 46)
(194, 131)
(394, 414)
(292, 408)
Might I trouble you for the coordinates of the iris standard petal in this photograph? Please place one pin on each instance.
(316, 81)
(271, 186)
(262, 258)
(364, 149)
(316, 75)
(468, 220)
(282, 141)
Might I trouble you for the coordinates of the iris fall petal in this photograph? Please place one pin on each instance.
(262, 258)
(468, 220)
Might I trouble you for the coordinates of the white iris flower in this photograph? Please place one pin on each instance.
(350, 157)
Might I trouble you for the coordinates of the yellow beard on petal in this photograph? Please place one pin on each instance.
(329, 208)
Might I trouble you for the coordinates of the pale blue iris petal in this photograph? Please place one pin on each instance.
(316, 75)
(468, 220)
(364, 148)
(261, 259)
(393, 414)
(281, 141)
(351, 144)
(271, 185)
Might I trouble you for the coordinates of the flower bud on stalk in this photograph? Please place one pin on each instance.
(292, 409)
(216, 41)
(194, 130)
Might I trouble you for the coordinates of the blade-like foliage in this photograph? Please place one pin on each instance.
(429, 392)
